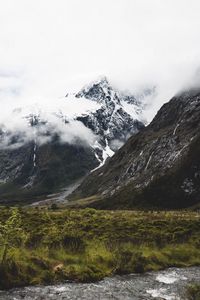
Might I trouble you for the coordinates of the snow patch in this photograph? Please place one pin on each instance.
(106, 152)
(148, 162)
(180, 151)
(141, 153)
(174, 132)
(34, 153)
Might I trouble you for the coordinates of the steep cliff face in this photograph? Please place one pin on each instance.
(29, 173)
(159, 167)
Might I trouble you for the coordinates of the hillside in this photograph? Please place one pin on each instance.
(44, 149)
(158, 167)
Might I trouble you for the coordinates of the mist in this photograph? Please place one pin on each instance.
(49, 48)
(43, 122)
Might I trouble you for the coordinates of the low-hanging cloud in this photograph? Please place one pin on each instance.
(50, 47)
(41, 127)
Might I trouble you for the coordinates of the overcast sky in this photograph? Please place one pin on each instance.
(49, 46)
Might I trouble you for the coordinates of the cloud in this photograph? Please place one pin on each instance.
(50, 47)
(42, 125)
(72, 133)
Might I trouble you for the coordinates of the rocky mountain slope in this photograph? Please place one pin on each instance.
(118, 117)
(159, 167)
(51, 149)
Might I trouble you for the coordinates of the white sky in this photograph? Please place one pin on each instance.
(49, 46)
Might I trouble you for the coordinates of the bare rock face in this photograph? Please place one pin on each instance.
(158, 167)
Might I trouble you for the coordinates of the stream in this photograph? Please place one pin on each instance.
(168, 284)
(60, 197)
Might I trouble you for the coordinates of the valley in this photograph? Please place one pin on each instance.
(100, 150)
(83, 214)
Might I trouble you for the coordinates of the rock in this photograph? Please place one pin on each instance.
(42, 165)
(158, 167)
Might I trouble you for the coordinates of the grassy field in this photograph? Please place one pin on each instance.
(87, 245)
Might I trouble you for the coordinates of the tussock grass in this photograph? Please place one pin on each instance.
(87, 245)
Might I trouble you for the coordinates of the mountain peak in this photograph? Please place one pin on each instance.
(157, 168)
(98, 90)
(102, 80)
(102, 92)
(98, 113)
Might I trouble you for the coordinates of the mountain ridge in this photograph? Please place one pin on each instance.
(143, 166)
(60, 147)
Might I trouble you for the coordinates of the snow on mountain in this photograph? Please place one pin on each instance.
(49, 145)
(98, 115)
(112, 122)
(158, 168)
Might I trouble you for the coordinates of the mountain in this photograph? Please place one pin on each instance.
(118, 117)
(46, 148)
(157, 168)
(114, 120)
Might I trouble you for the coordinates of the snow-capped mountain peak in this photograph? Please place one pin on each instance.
(80, 131)
(118, 116)
(100, 91)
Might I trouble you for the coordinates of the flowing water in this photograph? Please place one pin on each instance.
(169, 285)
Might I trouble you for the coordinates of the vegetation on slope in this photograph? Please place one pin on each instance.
(45, 246)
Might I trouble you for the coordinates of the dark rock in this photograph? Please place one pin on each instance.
(158, 167)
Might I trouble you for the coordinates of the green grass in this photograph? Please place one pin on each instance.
(87, 245)
(193, 292)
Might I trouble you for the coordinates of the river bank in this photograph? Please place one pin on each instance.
(88, 245)
(170, 284)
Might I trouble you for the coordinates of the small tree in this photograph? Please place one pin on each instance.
(11, 233)
(52, 236)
